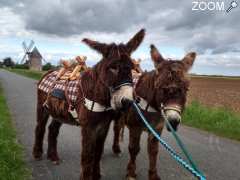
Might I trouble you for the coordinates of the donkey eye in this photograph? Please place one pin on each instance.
(113, 70)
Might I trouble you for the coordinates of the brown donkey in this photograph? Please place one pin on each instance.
(118, 124)
(167, 85)
(102, 89)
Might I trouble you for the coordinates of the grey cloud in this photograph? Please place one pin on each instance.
(202, 31)
(223, 49)
(66, 18)
(6, 3)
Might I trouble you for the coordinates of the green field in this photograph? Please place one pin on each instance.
(219, 121)
(12, 164)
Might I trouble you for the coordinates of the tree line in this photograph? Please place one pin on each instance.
(8, 62)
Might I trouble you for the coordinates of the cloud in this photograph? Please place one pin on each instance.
(67, 18)
(10, 23)
(169, 23)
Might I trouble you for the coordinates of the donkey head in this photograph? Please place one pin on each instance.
(114, 69)
(171, 84)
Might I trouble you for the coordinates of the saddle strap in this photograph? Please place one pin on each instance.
(94, 106)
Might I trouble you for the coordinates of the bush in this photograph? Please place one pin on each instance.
(47, 67)
(8, 62)
(21, 66)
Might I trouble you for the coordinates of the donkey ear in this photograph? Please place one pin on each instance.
(97, 46)
(136, 40)
(188, 60)
(156, 56)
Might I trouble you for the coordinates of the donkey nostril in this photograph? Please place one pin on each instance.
(174, 119)
(126, 102)
(174, 124)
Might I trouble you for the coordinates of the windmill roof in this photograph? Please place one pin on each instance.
(36, 53)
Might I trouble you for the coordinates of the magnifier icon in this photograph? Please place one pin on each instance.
(233, 4)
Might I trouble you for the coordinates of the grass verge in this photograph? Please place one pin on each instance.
(12, 164)
(28, 73)
(219, 121)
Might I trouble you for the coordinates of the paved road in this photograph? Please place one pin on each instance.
(219, 158)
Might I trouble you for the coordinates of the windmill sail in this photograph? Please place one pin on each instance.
(26, 49)
(24, 46)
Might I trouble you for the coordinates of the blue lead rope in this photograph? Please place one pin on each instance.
(193, 168)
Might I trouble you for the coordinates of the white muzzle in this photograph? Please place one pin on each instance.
(124, 92)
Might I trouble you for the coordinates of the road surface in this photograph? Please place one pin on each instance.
(218, 158)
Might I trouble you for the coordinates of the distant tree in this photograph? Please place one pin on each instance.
(47, 67)
(8, 62)
(1, 64)
(21, 66)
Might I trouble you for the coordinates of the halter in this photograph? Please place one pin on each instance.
(144, 105)
(97, 107)
(124, 83)
(172, 107)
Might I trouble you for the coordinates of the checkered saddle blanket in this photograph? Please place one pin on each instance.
(50, 83)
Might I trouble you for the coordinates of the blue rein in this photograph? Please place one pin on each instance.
(191, 168)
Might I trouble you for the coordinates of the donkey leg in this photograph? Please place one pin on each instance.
(116, 130)
(101, 137)
(134, 148)
(42, 117)
(53, 131)
(152, 153)
(88, 152)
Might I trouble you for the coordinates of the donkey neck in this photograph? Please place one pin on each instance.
(145, 87)
(94, 87)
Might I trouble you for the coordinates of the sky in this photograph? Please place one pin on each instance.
(57, 28)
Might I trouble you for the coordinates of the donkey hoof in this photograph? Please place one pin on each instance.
(118, 154)
(131, 178)
(56, 162)
(54, 159)
(37, 156)
(154, 177)
(116, 150)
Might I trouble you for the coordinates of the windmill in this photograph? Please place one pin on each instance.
(32, 56)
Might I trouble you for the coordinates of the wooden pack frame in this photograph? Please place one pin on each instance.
(71, 70)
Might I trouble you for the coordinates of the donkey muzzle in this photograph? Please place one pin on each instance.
(174, 118)
(121, 96)
(126, 103)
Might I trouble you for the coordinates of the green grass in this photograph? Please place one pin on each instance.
(219, 121)
(12, 164)
(28, 73)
